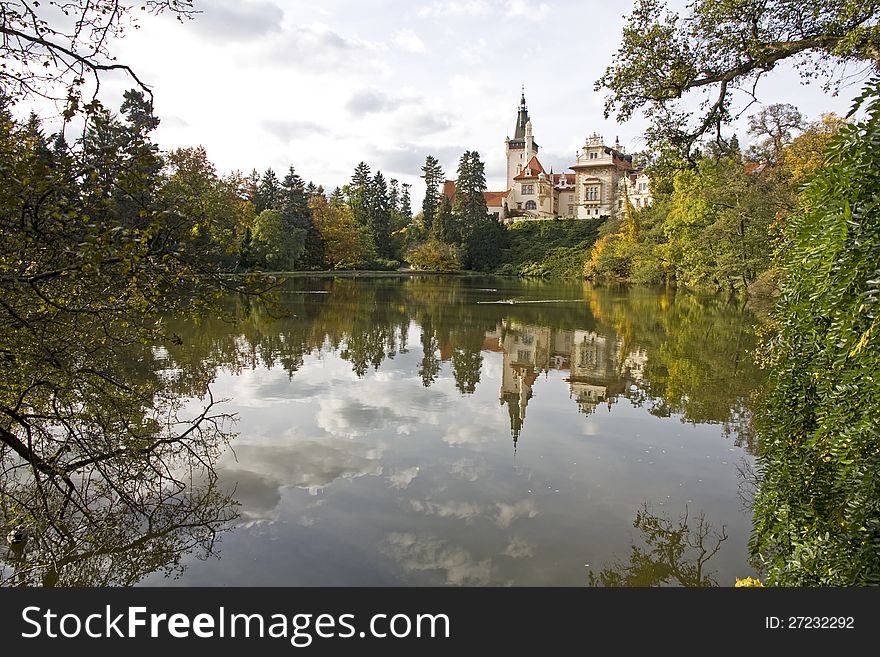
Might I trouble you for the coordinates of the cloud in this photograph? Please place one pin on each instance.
(417, 553)
(519, 548)
(421, 124)
(319, 50)
(351, 417)
(311, 464)
(466, 511)
(529, 10)
(408, 158)
(371, 101)
(444, 9)
(287, 129)
(403, 478)
(508, 513)
(234, 20)
(409, 41)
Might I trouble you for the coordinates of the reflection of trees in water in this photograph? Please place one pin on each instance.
(112, 481)
(675, 553)
(675, 353)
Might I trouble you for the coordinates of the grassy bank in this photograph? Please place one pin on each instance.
(552, 249)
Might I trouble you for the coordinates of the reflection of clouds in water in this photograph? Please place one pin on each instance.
(461, 510)
(427, 553)
(508, 513)
(262, 470)
(377, 404)
(467, 469)
(351, 417)
(503, 515)
(481, 426)
(519, 548)
(403, 478)
(257, 495)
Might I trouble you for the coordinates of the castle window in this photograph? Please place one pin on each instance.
(571, 209)
(528, 189)
(530, 205)
(591, 192)
(593, 156)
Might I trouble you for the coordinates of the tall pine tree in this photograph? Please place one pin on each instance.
(268, 193)
(482, 236)
(433, 175)
(379, 220)
(296, 214)
(359, 193)
(406, 203)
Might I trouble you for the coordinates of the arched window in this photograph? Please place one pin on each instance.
(530, 205)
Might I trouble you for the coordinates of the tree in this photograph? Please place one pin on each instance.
(346, 242)
(268, 193)
(434, 255)
(53, 57)
(298, 216)
(379, 217)
(359, 193)
(718, 224)
(445, 226)
(275, 245)
(720, 46)
(817, 509)
(482, 236)
(774, 126)
(406, 204)
(806, 153)
(433, 175)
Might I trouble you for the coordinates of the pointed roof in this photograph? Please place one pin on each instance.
(531, 170)
(522, 118)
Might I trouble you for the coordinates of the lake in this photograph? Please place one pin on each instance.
(407, 430)
(479, 431)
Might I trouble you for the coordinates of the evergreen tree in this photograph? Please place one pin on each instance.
(445, 227)
(250, 186)
(337, 198)
(379, 218)
(296, 214)
(359, 193)
(482, 236)
(268, 193)
(406, 203)
(433, 176)
(394, 195)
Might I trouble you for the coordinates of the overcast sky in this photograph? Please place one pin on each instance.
(324, 85)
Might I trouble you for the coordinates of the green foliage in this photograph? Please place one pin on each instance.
(817, 512)
(718, 46)
(718, 224)
(433, 175)
(346, 242)
(434, 255)
(275, 245)
(553, 249)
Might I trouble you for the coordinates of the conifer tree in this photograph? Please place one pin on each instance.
(406, 203)
(445, 227)
(296, 214)
(268, 193)
(482, 236)
(379, 217)
(359, 192)
(433, 175)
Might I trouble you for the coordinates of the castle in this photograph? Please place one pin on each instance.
(603, 178)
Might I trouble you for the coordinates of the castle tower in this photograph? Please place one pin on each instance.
(522, 147)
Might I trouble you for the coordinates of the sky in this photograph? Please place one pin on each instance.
(324, 85)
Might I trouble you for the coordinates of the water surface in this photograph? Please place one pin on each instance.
(478, 431)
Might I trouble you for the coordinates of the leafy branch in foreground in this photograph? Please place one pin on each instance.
(723, 46)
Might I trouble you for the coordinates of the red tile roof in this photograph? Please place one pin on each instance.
(494, 199)
(449, 190)
(531, 170)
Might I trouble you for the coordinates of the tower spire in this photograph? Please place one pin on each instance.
(522, 117)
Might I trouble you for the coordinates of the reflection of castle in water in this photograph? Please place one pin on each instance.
(599, 367)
